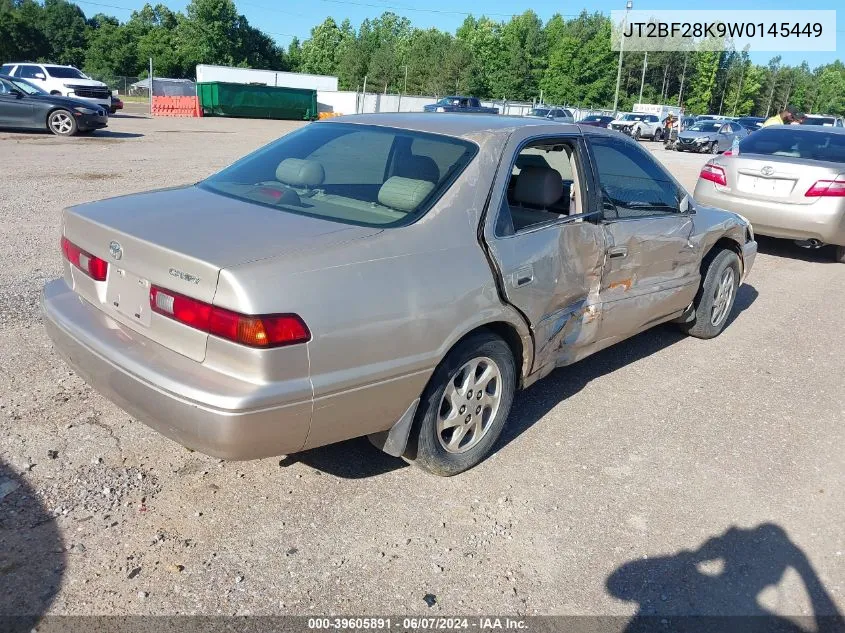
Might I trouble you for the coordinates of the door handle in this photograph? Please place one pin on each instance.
(618, 252)
(523, 276)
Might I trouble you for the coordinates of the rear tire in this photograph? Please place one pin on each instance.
(715, 298)
(465, 405)
(62, 123)
(658, 136)
(839, 254)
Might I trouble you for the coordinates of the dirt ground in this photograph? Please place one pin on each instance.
(665, 475)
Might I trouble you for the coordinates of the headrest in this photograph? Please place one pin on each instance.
(419, 168)
(300, 173)
(404, 194)
(538, 187)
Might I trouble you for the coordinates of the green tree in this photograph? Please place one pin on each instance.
(65, 30)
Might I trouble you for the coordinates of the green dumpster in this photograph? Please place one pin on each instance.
(255, 101)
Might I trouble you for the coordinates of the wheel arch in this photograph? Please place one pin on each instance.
(725, 242)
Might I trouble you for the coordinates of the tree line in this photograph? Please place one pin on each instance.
(567, 61)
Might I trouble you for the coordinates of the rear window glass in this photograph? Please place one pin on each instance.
(796, 143)
(819, 120)
(355, 174)
(6, 69)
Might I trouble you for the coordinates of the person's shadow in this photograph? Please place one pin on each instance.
(716, 588)
(32, 555)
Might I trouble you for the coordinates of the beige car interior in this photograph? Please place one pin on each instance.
(544, 185)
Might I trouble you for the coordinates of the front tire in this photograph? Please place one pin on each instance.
(636, 134)
(465, 405)
(715, 298)
(62, 123)
(839, 254)
(658, 136)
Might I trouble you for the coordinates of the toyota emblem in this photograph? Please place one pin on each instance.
(767, 170)
(116, 250)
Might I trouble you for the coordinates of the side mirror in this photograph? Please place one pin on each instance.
(18, 94)
(686, 205)
(40, 76)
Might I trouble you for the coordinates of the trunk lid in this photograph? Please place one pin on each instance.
(780, 179)
(180, 239)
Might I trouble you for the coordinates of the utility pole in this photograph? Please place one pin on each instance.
(404, 89)
(642, 80)
(364, 96)
(739, 90)
(151, 86)
(628, 6)
(683, 76)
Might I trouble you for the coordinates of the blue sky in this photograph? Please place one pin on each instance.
(284, 19)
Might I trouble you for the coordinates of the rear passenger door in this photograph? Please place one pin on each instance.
(651, 268)
(547, 249)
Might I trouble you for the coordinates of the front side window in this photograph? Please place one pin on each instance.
(354, 174)
(28, 72)
(632, 184)
(27, 87)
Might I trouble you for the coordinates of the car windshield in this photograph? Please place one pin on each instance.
(592, 117)
(27, 87)
(63, 72)
(544, 112)
(819, 120)
(449, 101)
(634, 117)
(705, 126)
(804, 144)
(354, 174)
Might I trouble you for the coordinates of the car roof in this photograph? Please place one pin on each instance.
(450, 124)
(807, 128)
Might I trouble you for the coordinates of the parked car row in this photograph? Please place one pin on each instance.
(557, 241)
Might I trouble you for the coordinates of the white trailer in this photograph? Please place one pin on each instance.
(662, 111)
(278, 78)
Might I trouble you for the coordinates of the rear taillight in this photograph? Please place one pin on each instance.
(713, 173)
(94, 267)
(270, 330)
(827, 188)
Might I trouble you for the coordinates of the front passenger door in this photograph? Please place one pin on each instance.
(651, 268)
(15, 110)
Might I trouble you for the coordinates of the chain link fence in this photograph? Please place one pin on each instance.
(125, 86)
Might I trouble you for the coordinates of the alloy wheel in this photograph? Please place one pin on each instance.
(469, 405)
(723, 299)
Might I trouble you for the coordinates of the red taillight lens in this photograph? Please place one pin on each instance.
(94, 267)
(713, 173)
(827, 188)
(273, 330)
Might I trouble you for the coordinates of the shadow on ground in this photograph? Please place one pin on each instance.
(32, 555)
(790, 250)
(535, 402)
(717, 588)
(356, 459)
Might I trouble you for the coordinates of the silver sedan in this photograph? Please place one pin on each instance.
(398, 276)
(788, 180)
(712, 137)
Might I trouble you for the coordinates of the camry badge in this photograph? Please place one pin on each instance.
(115, 249)
(767, 170)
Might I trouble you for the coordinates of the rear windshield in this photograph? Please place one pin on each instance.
(61, 72)
(796, 143)
(355, 174)
(819, 120)
(540, 112)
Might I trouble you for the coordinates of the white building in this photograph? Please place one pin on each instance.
(229, 74)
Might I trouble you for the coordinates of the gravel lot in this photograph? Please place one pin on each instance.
(665, 475)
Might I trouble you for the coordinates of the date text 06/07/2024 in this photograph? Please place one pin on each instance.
(419, 624)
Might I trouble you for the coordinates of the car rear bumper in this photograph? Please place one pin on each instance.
(824, 220)
(188, 402)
